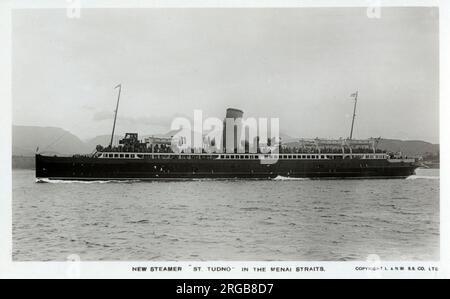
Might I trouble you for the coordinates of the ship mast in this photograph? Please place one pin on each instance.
(115, 116)
(354, 113)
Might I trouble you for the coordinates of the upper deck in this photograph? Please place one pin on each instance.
(225, 156)
(313, 149)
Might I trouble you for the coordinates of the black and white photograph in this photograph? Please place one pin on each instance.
(226, 134)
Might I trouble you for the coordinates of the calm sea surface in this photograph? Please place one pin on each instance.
(330, 220)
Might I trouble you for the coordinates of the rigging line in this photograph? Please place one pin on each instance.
(115, 118)
(61, 136)
(56, 141)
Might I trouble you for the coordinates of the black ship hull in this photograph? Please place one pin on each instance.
(93, 168)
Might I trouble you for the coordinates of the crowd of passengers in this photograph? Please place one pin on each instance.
(282, 150)
(325, 150)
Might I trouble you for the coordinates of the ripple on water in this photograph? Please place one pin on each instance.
(226, 219)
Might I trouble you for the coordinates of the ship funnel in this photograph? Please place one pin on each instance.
(234, 114)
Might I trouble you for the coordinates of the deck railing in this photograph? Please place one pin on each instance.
(127, 155)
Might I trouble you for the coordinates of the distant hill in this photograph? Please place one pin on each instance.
(50, 140)
(409, 147)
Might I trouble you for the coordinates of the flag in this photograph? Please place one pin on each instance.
(354, 94)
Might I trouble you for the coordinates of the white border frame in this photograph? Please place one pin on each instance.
(10, 269)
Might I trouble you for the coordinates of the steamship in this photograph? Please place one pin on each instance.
(152, 159)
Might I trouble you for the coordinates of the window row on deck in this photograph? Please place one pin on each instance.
(239, 156)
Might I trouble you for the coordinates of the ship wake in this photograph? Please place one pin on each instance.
(48, 181)
(422, 177)
(283, 178)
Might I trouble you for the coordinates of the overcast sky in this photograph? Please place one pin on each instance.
(300, 65)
